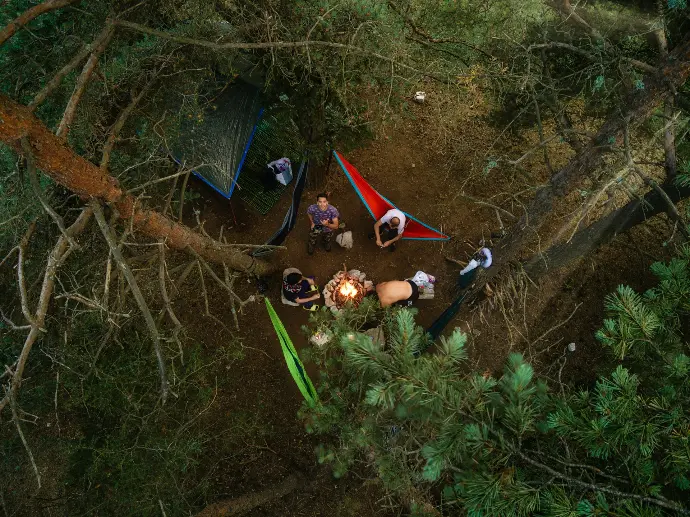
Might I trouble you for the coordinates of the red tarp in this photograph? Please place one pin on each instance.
(379, 205)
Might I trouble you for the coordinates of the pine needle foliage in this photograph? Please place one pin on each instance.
(509, 446)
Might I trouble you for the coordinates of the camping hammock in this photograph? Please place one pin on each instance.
(379, 205)
(291, 215)
(446, 316)
(293, 362)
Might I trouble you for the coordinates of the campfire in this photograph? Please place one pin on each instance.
(346, 287)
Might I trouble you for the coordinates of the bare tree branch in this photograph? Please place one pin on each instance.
(56, 258)
(424, 34)
(15, 417)
(269, 45)
(33, 178)
(120, 122)
(670, 132)
(50, 5)
(138, 296)
(98, 47)
(166, 301)
(57, 78)
(21, 279)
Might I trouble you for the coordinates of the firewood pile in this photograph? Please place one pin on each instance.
(346, 286)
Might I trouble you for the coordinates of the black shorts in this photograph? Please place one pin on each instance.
(414, 296)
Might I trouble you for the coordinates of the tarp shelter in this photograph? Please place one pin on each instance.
(378, 205)
(234, 140)
(217, 145)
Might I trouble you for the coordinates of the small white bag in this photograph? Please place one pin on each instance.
(344, 239)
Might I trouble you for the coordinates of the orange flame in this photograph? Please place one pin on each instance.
(349, 290)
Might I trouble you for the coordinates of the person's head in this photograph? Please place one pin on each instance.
(322, 201)
(395, 222)
(293, 278)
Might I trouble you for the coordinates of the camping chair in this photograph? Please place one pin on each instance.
(282, 296)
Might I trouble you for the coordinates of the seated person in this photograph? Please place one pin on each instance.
(396, 291)
(389, 229)
(302, 290)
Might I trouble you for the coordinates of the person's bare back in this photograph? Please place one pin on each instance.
(393, 291)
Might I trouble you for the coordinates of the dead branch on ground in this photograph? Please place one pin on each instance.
(136, 292)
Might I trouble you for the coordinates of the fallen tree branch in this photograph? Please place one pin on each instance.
(33, 179)
(55, 158)
(138, 296)
(99, 46)
(20, 21)
(56, 258)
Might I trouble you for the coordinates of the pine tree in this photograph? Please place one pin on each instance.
(510, 446)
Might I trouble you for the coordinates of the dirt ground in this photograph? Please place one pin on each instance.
(426, 172)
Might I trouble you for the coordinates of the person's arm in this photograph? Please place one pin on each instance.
(377, 225)
(305, 300)
(334, 223)
(394, 239)
(311, 219)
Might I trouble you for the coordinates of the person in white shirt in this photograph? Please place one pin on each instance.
(389, 229)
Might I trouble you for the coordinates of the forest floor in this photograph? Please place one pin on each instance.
(411, 164)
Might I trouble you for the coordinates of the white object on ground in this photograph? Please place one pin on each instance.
(345, 239)
(283, 170)
(419, 97)
(321, 338)
(485, 263)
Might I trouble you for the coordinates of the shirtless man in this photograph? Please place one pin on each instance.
(402, 292)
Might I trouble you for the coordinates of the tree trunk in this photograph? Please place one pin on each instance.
(248, 502)
(55, 158)
(8, 31)
(604, 230)
(638, 108)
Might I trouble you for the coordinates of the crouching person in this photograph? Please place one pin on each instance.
(301, 290)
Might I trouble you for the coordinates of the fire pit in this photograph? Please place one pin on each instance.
(346, 287)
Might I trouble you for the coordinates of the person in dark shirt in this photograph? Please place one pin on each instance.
(302, 290)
